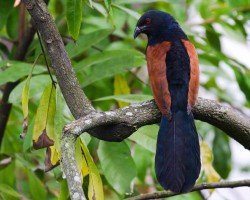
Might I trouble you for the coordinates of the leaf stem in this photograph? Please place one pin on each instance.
(44, 55)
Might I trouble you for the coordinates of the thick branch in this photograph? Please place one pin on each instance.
(131, 117)
(70, 168)
(234, 123)
(72, 92)
(231, 121)
(203, 186)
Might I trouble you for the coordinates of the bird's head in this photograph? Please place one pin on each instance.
(154, 22)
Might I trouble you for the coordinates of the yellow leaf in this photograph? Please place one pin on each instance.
(25, 100)
(95, 190)
(210, 172)
(43, 131)
(121, 87)
(52, 158)
(50, 129)
(54, 155)
(80, 159)
(85, 168)
(54, 128)
(58, 120)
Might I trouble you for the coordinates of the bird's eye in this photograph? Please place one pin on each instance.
(148, 21)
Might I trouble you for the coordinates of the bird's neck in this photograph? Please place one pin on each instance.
(171, 34)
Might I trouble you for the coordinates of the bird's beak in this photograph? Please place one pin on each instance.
(137, 32)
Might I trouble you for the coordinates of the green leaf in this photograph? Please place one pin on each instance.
(9, 193)
(131, 98)
(207, 59)
(5, 160)
(6, 8)
(74, 17)
(95, 190)
(142, 158)
(108, 65)
(37, 85)
(243, 80)
(64, 191)
(105, 56)
(12, 67)
(50, 127)
(221, 149)
(86, 41)
(43, 131)
(203, 9)
(27, 141)
(213, 38)
(121, 87)
(36, 188)
(132, 13)
(140, 1)
(235, 31)
(146, 136)
(107, 4)
(59, 119)
(91, 3)
(9, 180)
(100, 8)
(238, 3)
(25, 100)
(117, 165)
(11, 142)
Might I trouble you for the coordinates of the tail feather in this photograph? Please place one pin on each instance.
(177, 161)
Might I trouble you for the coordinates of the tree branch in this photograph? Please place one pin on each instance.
(202, 186)
(234, 123)
(76, 99)
(70, 168)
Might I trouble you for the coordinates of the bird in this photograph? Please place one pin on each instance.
(173, 70)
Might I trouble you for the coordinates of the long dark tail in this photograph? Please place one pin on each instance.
(177, 161)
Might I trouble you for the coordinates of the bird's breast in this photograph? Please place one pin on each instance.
(156, 56)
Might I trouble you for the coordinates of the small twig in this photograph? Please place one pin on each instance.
(44, 55)
(202, 186)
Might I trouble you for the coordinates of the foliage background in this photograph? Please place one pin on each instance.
(110, 66)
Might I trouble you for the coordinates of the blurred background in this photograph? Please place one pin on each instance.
(111, 68)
